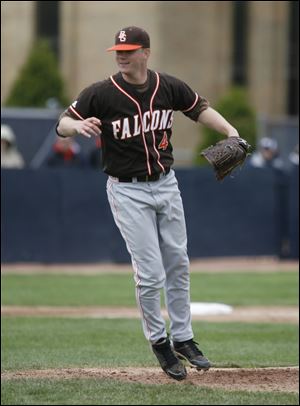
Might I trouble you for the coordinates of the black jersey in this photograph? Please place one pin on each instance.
(137, 126)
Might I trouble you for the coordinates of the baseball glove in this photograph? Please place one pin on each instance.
(226, 155)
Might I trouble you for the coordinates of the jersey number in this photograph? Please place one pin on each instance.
(164, 142)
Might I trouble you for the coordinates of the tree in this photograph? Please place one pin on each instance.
(236, 108)
(39, 80)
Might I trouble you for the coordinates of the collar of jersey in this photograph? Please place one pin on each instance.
(132, 90)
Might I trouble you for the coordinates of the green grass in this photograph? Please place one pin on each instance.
(246, 289)
(106, 392)
(118, 289)
(40, 343)
(37, 343)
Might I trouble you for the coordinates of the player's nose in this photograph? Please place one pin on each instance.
(121, 57)
(123, 54)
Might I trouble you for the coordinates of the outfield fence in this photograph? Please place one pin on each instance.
(62, 216)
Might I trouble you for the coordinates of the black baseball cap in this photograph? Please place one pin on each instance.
(130, 38)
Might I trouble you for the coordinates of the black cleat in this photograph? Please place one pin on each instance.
(168, 360)
(188, 351)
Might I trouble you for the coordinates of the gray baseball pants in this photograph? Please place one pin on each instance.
(151, 220)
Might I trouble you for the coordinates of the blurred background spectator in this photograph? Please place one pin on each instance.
(95, 156)
(66, 152)
(10, 156)
(267, 155)
(294, 156)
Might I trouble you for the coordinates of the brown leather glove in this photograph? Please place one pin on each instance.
(226, 155)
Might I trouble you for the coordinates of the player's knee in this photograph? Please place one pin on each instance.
(155, 280)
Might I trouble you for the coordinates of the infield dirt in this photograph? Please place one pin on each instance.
(254, 379)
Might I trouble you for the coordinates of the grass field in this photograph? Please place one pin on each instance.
(39, 343)
(120, 342)
(118, 289)
(105, 392)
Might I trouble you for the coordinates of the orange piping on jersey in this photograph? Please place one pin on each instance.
(76, 113)
(194, 104)
(141, 118)
(151, 110)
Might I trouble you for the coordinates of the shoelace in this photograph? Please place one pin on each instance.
(193, 349)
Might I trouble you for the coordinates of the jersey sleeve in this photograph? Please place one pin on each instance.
(186, 100)
(84, 106)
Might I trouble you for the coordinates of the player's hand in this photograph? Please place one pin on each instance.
(89, 127)
(233, 133)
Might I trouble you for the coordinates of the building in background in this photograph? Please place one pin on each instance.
(211, 45)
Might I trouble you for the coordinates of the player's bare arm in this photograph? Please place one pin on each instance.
(68, 127)
(212, 119)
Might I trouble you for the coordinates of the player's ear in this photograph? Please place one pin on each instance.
(146, 52)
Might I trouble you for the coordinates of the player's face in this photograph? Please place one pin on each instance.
(131, 62)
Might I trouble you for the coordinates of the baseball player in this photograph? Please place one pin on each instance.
(132, 111)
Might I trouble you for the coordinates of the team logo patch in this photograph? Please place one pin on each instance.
(164, 142)
(122, 36)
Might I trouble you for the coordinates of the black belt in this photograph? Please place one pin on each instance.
(146, 178)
